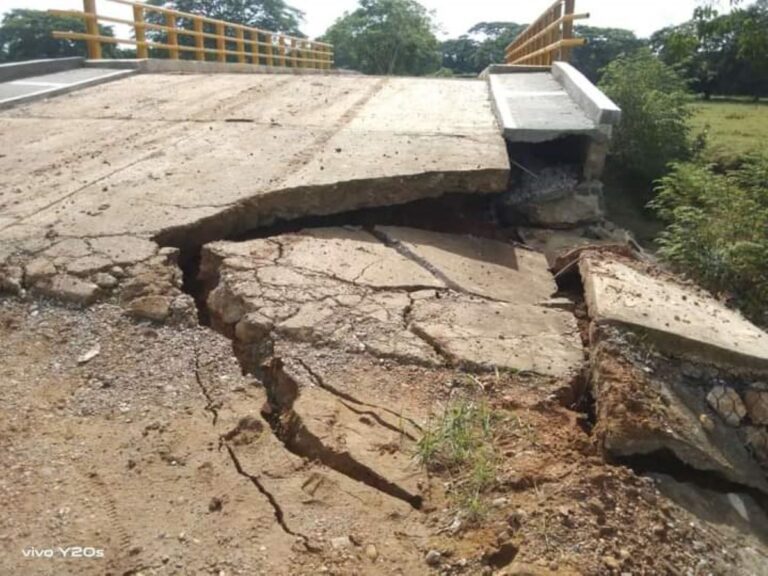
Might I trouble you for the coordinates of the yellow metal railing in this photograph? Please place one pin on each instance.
(548, 39)
(244, 44)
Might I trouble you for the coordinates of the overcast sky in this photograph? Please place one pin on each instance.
(454, 17)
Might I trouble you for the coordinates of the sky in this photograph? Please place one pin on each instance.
(453, 16)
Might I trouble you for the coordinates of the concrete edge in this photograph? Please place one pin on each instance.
(507, 124)
(16, 70)
(48, 92)
(501, 113)
(597, 106)
(510, 69)
(164, 66)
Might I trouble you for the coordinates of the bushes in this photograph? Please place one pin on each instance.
(718, 229)
(654, 129)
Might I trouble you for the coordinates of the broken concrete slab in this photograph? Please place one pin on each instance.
(67, 288)
(334, 287)
(408, 299)
(681, 319)
(477, 266)
(644, 409)
(509, 336)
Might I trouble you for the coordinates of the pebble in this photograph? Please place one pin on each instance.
(371, 552)
(433, 558)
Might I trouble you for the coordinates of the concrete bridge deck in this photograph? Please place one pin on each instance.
(150, 154)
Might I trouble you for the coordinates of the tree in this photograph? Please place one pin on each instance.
(654, 129)
(720, 53)
(603, 46)
(494, 39)
(272, 15)
(28, 34)
(386, 37)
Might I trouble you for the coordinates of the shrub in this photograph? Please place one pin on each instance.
(717, 229)
(655, 104)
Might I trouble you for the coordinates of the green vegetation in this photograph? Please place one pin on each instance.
(386, 37)
(273, 15)
(462, 442)
(28, 35)
(718, 229)
(654, 128)
(734, 128)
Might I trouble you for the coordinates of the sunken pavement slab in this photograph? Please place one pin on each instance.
(674, 373)
(683, 319)
(414, 296)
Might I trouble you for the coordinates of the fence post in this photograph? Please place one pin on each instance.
(570, 8)
(197, 23)
(173, 39)
(138, 31)
(557, 34)
(255, 47)
(281, 50)
(294, 47)
(92, 28)
(268, 38)
(221, 45)
(240, 45)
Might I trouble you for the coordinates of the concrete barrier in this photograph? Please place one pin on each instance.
(600, 109)
(16, 70)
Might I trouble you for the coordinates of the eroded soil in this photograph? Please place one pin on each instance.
(159, 452)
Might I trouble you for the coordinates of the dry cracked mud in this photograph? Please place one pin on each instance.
(284, 438)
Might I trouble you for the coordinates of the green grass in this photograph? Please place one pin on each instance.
(734, 127)
(462, 442)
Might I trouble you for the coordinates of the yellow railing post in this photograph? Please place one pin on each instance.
(173, 39)
(240, 37)
(139, 32)
(221, 45)
(255, 47)
(197, 23)
(570, 8)
(281, 50)
(556, 36)
(92, 29)
(268, 40)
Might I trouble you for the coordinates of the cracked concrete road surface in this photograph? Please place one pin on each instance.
(143, 163)
(187, 390)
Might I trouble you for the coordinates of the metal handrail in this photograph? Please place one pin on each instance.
(548, 39)
(272, 48)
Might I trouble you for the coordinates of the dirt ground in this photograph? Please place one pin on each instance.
(153, 456)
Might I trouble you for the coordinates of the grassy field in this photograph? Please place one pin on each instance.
(735, 127)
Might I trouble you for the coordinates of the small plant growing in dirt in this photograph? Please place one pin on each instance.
(462, 442)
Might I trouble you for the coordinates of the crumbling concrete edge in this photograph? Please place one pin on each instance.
(596, 105)
(59, 90)
(16, 70)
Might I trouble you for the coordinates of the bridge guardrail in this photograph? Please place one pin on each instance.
(251, 45)
(548, 39)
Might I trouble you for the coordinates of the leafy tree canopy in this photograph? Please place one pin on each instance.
(28, 35)
(386, 37)
(272, 15)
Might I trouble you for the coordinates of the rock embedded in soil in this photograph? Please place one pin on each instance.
(728, 404)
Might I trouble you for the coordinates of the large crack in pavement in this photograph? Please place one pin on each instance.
(289, 427)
